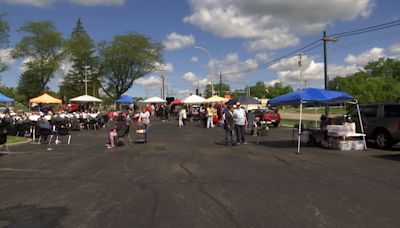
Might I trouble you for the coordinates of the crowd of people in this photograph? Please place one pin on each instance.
(233, 118)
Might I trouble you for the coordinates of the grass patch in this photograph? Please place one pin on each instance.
(333, 110)
(16, 139)
(290, 123)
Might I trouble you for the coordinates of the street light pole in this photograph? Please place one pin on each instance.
(209, 66)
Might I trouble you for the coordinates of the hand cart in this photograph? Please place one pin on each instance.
(261, 129)
(140, 133)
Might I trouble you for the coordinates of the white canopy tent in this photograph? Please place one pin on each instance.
(154, 100)
(193, 99)
(86, 99)
(216, 98)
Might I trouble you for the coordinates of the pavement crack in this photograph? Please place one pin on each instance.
(154, 207)
(191, 176)
(225, 210)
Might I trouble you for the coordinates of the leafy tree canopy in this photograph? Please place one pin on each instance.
(378, 81)
(125, 59)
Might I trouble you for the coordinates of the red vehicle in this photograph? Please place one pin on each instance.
(268, 115)
(70, 108)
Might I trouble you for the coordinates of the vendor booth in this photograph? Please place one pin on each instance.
(86, 99)
(193, 99)
(125, 100)
(154, 100)
(45, 99)
(313, 96)
(5, 99)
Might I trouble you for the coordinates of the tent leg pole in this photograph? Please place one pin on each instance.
(361, 125)
(300, 129)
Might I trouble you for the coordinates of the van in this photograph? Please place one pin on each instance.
(381, 122)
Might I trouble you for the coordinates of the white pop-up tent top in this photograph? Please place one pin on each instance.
(193, 99)
(86, 99)
(154, 100)
(313, 96)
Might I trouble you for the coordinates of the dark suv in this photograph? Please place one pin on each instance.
(381, 122)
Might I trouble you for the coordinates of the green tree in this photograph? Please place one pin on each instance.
(383, 67)
(4, 31)
(125, 59)
(217, 88)
(4, 34)
(258, 90)
(29, 86)
(278, 89)
(79, 50)
(378, 81)
(42, 46)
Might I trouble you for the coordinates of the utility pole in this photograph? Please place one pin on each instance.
(220, 84)
(326, 78)
(163, 87)
(300, 70)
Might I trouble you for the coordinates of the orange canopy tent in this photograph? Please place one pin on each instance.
(45, 99)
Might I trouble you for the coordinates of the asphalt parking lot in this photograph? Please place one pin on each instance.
(187, 177)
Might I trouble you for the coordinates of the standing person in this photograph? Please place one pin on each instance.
(210, 116)
(182, 116)
(144, 119)
(229, 126)
(239, 115)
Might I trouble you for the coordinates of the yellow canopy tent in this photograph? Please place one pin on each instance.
(45, 99)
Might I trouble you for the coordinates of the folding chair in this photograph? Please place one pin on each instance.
(121, 138)
(3, 141)
(45, 133)
(63, 131)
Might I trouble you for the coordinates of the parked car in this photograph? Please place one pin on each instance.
(70, 107)
(194, 113)
(268, 115)
(381, 122)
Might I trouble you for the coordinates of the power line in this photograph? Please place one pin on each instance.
(310, 46)
(366, 28)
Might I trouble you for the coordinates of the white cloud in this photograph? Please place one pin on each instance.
(5, 56)
(167, 67)
(37, 3)
(190, 77)
(362, 59)
(98, 2)
(47, 3)
(151, 81)
(272, 24)
(196, 81)
(176, 41)
(194, 59)
(395, 48)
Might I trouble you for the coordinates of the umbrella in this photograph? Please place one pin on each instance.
(154, 100)
(86, 98)
(125, 99)
(177, 101)
(244, 100)
(216, 98)
(193, 99)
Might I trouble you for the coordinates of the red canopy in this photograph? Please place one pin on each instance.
(177, 101)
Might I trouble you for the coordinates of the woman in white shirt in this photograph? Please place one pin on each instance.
(182, 117)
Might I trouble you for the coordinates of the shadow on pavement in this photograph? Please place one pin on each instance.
(393, 157)
(31, 216)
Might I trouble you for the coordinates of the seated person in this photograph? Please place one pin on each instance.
(112, 136)
(43, 123)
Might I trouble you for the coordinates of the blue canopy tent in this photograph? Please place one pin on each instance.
(125, 99)
(5, 99)
(313, 96)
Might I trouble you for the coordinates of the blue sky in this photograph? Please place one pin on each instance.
(238, 34)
